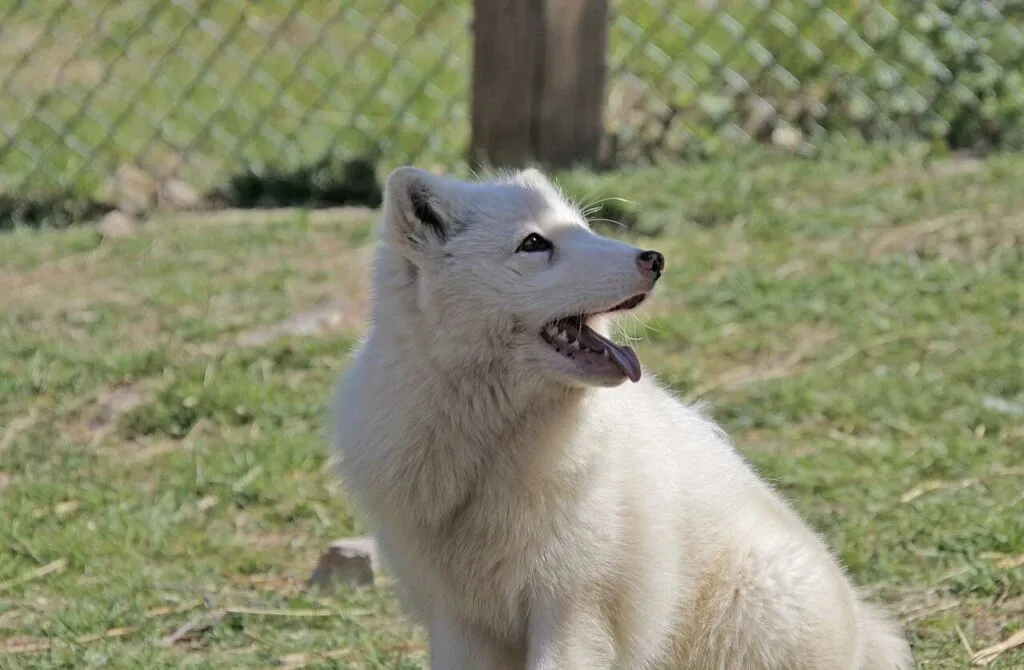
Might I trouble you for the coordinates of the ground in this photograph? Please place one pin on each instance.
(856, 322)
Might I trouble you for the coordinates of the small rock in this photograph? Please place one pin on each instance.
(788, 138)
(117, 224)
(352, 561)
(1002, 406)
(761, 121)
(177, 194)
(134, 190)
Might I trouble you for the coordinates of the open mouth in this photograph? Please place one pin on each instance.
(574, 339)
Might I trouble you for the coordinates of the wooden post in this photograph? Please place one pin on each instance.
(507, 36)
(570, 119)
(538, 82)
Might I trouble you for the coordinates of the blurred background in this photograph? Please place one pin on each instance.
(187, 195)
(200, 91)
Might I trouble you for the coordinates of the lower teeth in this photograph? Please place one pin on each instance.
(560, 338)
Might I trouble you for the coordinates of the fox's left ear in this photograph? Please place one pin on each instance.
(532, 176)
(419, 210)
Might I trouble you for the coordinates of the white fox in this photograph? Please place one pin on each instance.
(538, 512)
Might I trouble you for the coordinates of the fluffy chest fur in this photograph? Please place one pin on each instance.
(474, 512)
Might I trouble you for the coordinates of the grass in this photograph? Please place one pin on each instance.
(856, 321)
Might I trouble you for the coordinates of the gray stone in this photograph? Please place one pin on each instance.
(351, 561)
(1002, 406)
(134, 190)
(788, 138)
(117, 224)
(178, 195)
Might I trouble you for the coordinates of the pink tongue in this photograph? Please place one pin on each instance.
(622, 355)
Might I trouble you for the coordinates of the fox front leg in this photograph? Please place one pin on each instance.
(569, 636)
(454, 647)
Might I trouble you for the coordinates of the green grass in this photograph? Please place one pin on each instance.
(850, 320)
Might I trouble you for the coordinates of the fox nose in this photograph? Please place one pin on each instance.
(651, 263)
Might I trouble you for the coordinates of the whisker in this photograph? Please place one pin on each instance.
(612, 221)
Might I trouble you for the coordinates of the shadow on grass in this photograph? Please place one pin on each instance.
(48, 210)
(327, 182)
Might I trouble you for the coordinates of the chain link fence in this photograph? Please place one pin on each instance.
(195, 90)
(202, 88)
(689, 77)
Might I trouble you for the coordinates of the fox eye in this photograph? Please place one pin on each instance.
(534, 242)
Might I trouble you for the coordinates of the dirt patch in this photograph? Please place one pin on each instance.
(280, 584)
(144, 452)
(233, 217)
(808, 341)
(960, 236)
(324, 288)
(958, 165)
(111, 407)
(993, 622)
(918, 606)
(17, 427)
(332, 318)
(99, 418)
(906, 237)
(343, 277)
(52, 287)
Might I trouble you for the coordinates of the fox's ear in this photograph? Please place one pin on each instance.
(532, 176)
(419, 209)
(534, 179)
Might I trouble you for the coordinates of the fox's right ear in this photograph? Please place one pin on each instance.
(418, 209)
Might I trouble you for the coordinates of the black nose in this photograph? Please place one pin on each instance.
(651, 262)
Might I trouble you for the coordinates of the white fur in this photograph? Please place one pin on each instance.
(535, 521)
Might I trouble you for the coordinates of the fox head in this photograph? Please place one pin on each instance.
(505, 276)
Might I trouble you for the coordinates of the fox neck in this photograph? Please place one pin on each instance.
(483, 399)
(478, 394)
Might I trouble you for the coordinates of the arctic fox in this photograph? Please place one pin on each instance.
(537, 511)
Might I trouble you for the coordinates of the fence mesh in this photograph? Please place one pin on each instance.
(204, 88)
(688, 76)
(208, 86)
